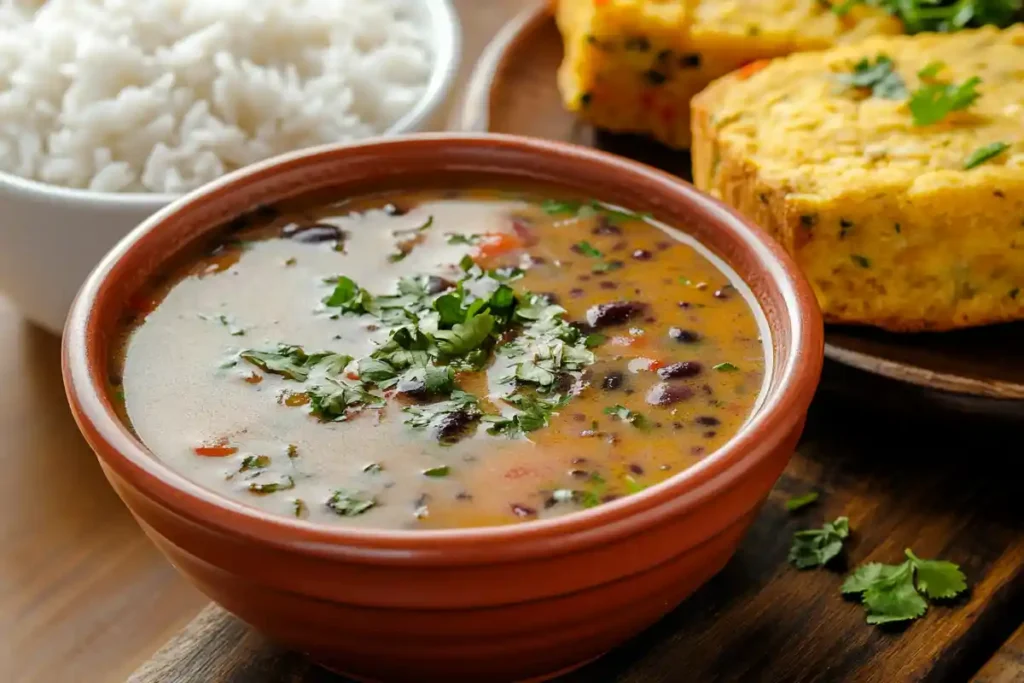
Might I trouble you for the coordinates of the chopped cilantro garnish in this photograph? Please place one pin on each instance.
(447, 419)
(587, 249)
(594, 340)
(985, 153)
(459, 238)
(816, 547)
(293, 363)
(725, 367)
(889, 592)
(799, 502)
(225, 320)
(465, 337)
(349, 297)
(554, 207)
(254, 462)
(943, 16)
(626, 415)
(282, 484)
(373, 468)
(332, 400)
(932, 102)
(533, 413)
(880, 76)
(350, 503)
(440, 471)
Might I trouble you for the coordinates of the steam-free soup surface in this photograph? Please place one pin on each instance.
(441, 359)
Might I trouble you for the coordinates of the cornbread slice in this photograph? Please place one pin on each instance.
(633, 65)
(880, 213)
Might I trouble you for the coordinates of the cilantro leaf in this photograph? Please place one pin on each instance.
(554, 207)
(282, 484)
(941, 15)
(332, 400)
(459, 238)
(440, 471)
(938, 579)
(894, 598)
(932, 102)
(881, 77)
(594, 340)
(349, 297)
(378, 372)
(447, 420)
(533, 413)
(350, 503)
(626, 415)
(293, 363)
(889, 592)
(587, 249)
(465, 337)
(931, 70)
(799, 502)
(725, 367)
(985, 153)
(816, 547)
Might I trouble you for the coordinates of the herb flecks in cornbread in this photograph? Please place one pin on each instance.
(899, 221)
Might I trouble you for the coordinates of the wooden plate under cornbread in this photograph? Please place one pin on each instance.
(514, 90)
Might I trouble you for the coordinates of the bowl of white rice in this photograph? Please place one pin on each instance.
(111, 109)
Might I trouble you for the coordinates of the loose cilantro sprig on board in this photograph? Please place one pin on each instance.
(893, 593)
(817, 547)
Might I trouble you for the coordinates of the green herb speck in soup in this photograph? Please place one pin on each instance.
(434, 359)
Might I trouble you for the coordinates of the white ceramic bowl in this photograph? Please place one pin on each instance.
(51, 237)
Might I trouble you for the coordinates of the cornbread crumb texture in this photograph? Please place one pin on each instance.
(880, 213)
(634, 65)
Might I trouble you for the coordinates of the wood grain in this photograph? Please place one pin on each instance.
(1007, 666)
(84, 596)
(902, 484)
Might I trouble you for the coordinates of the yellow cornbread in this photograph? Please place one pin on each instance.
(880, 213)
(633, 65)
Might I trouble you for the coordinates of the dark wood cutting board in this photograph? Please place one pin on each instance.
(941, 488)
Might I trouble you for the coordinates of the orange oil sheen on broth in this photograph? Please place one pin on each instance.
(656, 361)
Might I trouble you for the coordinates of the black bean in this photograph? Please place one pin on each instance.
(650, 319)
(677, 425)
(665, 468)
(579, 474)
(708, 421)
(579, 417)
(451, 426)
(612, 381)
(636, 469)
(436, 285)
(576, 292)
(642, 255)
(413, 388)
(578, 461)
(710, 434)
(684, 304)
(614, 312)
(608, 284)
(686, 368)
(662, 246)
(697, 450)
(522, 511)
(312, 234)
(609, 498)
(612, 439)
(393, 210)
(690, 60)
(663, 394)
(462, 495)
(683, 336)
(618, 246)
(725, 292)
(583, 278)
(606, 227)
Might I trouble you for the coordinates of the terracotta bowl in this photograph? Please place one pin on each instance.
(491, 604)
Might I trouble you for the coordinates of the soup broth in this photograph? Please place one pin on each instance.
(441, 359)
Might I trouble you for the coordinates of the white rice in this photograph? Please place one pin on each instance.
(165, 95)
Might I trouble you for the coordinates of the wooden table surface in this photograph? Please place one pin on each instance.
(84, 597)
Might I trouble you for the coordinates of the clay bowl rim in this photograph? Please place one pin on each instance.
(781, 407)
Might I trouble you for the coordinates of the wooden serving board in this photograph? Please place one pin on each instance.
(513, 90)
(903, 484)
